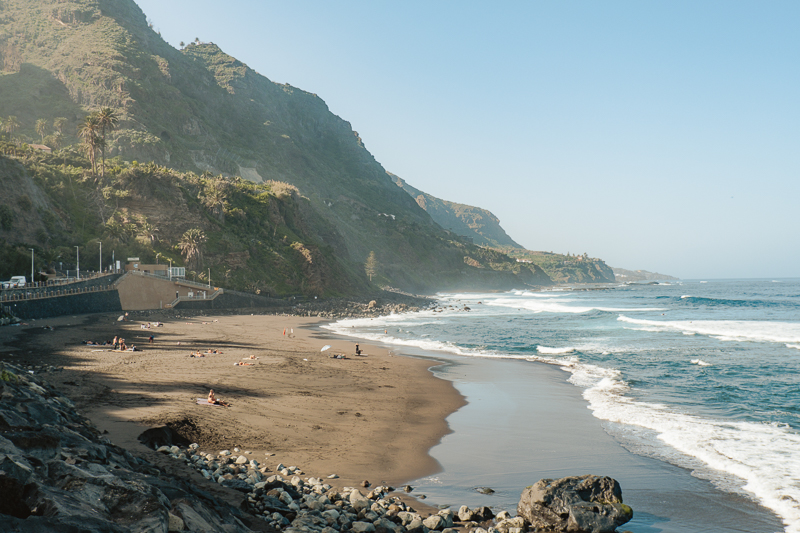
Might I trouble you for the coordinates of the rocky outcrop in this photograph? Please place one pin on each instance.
(478, 224)
(58, 473)
(586, 504)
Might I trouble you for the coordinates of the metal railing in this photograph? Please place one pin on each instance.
(35, 293)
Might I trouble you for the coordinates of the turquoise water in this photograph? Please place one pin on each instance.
(698, 374)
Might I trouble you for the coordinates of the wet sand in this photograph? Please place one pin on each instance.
(370, 417)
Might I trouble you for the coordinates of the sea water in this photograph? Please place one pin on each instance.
(699, 374)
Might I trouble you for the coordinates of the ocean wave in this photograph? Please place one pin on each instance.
(759, 458)
(700, 300)
(724, 330)
(345, 328)
(554, 351)
(560, 306)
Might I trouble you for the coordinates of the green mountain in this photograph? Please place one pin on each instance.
(475, 223)
(209, 117)
(483, 228)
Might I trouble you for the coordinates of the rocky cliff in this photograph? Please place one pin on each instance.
(468, 221)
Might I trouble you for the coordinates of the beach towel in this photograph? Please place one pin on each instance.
(204, 401)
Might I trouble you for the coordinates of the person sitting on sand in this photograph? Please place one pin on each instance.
(196, 354)
(252, 357)
(213, 399)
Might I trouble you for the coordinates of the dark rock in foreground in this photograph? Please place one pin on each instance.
(590, 504)
(57, 474)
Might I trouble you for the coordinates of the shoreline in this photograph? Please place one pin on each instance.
(372, 418)
(396, 444)
(523, 422)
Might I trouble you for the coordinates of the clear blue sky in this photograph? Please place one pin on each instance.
(656, 135)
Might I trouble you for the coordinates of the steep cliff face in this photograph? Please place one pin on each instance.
(201, 110)
(469, 221)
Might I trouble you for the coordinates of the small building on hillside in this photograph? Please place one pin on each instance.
(41, 148)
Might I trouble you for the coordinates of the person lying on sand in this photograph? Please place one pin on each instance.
(252, 357)
(196, 354)
(243, 364)
(338, 356)
(213, 399)
(213, 351)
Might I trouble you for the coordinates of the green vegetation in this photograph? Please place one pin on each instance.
(160, 214)
(315, 203)
(565, 268)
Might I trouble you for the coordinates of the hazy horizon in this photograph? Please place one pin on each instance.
(660, 137)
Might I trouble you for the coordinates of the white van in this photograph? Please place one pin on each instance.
(14, 282)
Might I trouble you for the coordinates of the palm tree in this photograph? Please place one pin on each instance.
(191, 246)
(106, 118)
(88, 132)
(41, 128)
(214, 198)
(147, 232)
(56, 139)
(58, 124)
(10, 124)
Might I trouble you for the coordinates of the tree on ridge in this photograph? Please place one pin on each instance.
(106, 118)
(88, 132)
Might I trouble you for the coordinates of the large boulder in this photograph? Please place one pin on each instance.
(585, 504)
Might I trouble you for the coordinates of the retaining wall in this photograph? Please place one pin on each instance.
(231, 300)
(71, 304)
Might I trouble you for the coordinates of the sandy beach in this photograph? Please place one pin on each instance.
(370, 417)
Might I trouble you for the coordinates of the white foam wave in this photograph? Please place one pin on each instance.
(554, 351)
(795, 346)
(724, 330)
(761, 456)
(345, 328)
(560, 306)
(686, 296)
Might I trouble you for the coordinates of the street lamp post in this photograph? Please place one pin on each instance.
(78, 256)
(209, 278)
(170, 269)
(31, 249)
(101, 256)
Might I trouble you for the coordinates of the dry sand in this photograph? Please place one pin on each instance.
(370, 417)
